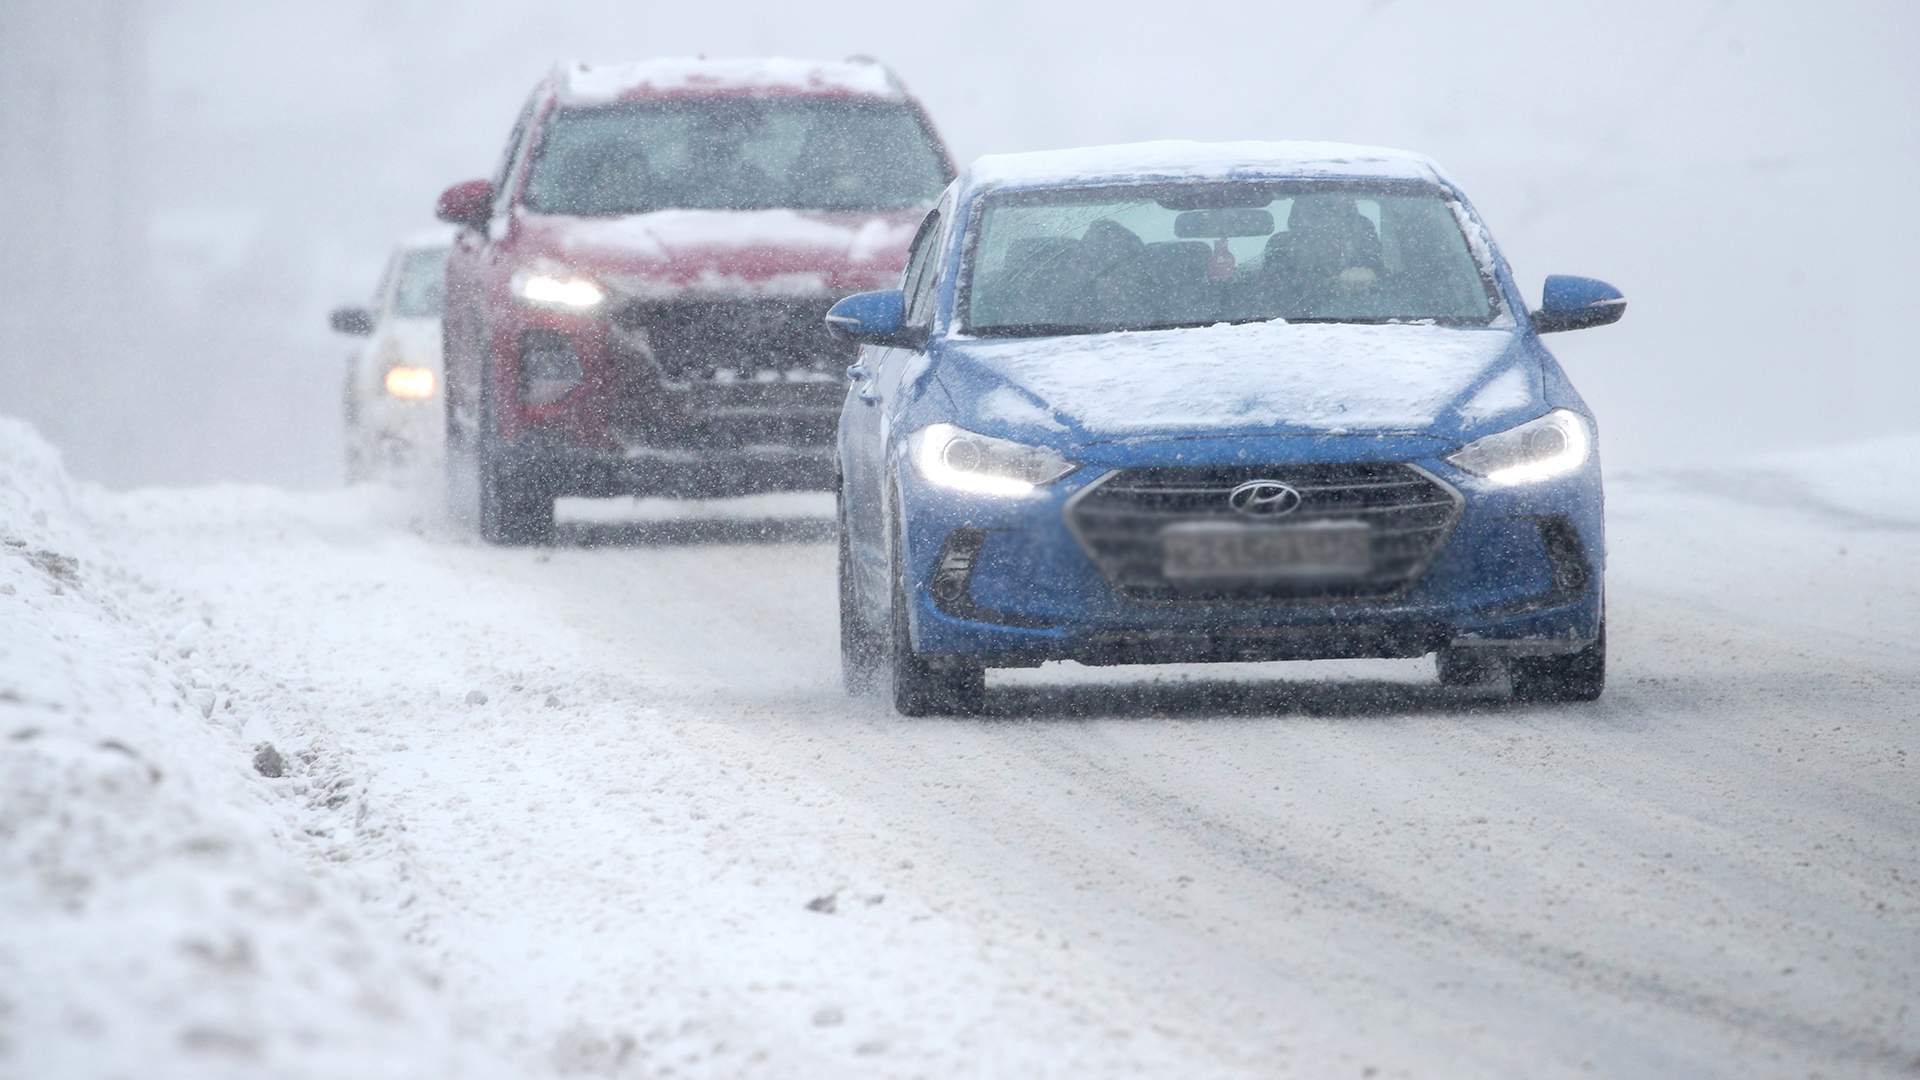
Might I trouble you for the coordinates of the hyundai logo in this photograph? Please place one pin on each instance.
(1264, 498)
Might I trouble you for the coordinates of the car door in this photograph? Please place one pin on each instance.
(368, 374)
(471, 260)
(359, 384)
(872, 402)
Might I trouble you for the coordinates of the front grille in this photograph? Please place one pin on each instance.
(739, 339)
(1119, 519)
(727, 373)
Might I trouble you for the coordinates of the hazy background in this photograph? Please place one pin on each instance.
(188, 187)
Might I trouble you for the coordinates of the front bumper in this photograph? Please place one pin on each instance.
(397, 430)
(674, 414)
(555, 464)
(1521, 571)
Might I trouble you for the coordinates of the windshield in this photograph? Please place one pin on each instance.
(735, 154)
(421, 290)
(1088, 260)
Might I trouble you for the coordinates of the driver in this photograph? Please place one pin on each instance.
(717, 173)
(1327, 257)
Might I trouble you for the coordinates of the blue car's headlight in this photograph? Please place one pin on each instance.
(957, 458)
(1553, 445)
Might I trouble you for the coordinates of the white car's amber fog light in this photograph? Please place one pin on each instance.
(960, 459)
(411, 383)
(1553, 445)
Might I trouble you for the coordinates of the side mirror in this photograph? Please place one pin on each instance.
(875, 318)
(1576, 303)
(469, 204)
(353, 321)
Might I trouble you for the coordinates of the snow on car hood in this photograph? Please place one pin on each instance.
(1270, 377)
(758, 252)
(414, 342)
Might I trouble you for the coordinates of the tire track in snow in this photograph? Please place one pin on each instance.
(1577, 969)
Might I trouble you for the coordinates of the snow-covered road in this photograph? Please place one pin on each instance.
(612, 796)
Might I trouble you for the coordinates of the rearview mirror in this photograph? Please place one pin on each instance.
(1576, 303)
(353, 321)
(1221, 222)
(469, 203)
(875, 318)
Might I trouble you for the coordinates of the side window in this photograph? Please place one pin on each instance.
(504, 171)
(384, 291)
(923, 265)
(918, 282)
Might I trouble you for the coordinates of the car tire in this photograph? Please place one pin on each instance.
(860, 647)
(512, 511)
(356, 460)
(922, 687)
(512, 514)
(461, 471)
(1465, 666)
(355, 457)
(1579, 676)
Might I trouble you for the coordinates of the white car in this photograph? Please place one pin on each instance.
(393, 409)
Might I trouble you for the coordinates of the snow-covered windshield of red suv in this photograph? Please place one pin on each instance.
(1140, 257)
(734, 154)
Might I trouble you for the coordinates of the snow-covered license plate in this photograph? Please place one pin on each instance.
(1215, 550)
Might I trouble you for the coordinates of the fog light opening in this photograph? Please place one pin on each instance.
(953, 575)
(550, 369)
(1566, 555)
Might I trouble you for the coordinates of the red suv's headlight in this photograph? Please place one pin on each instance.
(558, 288)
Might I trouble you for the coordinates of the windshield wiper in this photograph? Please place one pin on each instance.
(1038, 329)
(1064, 329)
(1034, 330)
(1392, 320)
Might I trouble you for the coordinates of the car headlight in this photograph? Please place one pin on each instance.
(960, 459)
(556, 288)
(1541, 449)
(410, 383)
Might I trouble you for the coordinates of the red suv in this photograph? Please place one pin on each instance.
(635, 299)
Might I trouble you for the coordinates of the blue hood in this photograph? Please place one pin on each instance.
(1270, 378)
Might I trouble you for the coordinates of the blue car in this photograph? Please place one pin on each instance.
(1184, 402)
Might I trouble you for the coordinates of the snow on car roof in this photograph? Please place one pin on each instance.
(1186, 160)
(590, 83)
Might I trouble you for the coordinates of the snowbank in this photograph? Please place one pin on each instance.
(159, 911)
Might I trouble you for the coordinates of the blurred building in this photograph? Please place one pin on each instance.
(74, 282)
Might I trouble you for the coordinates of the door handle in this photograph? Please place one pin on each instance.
(862, 377)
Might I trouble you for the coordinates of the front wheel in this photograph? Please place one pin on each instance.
(1576, 676)
(511, 510)
(923, 685)
(357, 468)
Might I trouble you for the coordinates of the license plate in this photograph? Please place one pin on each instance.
(1202, 551)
